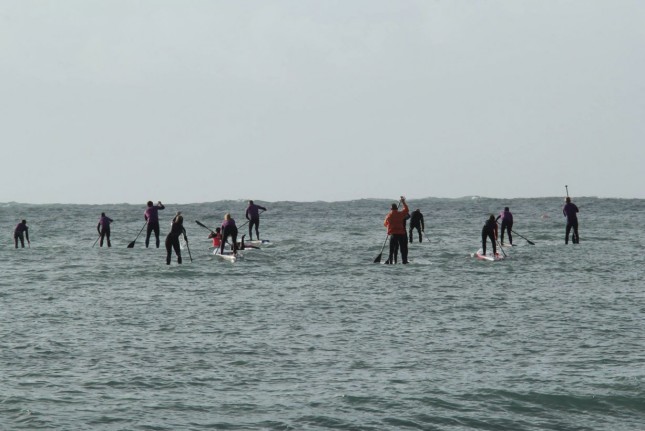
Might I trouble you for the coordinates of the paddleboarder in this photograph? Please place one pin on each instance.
(20, 233)
(229, 229)
(216, 237)
(103, 228)
(570, 211)
(253, 216)
(151, 216)
(172, 239)
(507, 224)
(394, 222)
(416, 222)
(396, 246)
(490, 231)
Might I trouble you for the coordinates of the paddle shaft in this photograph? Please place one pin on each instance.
(204, 226)
(499, 244)
(567, 189)
(527, 240)
(131, 245)
(188, 248)
(247, 222)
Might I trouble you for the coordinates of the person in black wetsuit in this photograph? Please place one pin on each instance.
(172, 240)
(490, 231)
(20, 232)
(507, 224)
(103, 228)
(570, 211)
(416, 222)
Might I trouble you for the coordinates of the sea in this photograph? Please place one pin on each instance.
(308, 333)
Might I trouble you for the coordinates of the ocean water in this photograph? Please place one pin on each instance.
(310, 334)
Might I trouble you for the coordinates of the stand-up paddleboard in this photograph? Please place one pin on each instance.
(257, 243)
(228, 255)
(488, 256)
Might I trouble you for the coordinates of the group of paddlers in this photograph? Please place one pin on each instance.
(395, 222)
(220, 236)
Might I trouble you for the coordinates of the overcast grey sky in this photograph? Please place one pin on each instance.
(192, 101)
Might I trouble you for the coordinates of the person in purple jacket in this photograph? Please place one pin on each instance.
(253, 216)
(152, 218)
(570, 211)
(229, 229)
(103, 228)
(20, 232)
(507, 224)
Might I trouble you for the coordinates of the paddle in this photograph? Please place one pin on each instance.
(567, 189)
(527, 240)
(426, 235)
(188, 248)
(97, 239)
(204, 226)
(131, 245)
(499, 245)
(378, 258)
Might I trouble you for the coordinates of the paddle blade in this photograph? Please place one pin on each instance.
(378, 258)
(530, 242)
(131, 245)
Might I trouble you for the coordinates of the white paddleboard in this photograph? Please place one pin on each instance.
(228, 255)
(488, 256)
(257, 243)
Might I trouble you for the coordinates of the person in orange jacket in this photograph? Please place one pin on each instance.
(394, 222)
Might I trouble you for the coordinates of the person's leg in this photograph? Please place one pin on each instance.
(575, 237)
(148, 232)
(168, 251)
(404, 248)
(225, 234)
(503, 229)
(390, 258)
(156, 230)
(395, 238)
(492, 240)
(566, 233)
(101, 236)
(257, 229)
(510, 229)
(484, 239)
(251, 230)
(411, 229)
(107, 236)
(175, 245)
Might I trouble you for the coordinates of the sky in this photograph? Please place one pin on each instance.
(187, 101)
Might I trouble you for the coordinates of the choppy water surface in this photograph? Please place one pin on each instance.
(309, 334)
